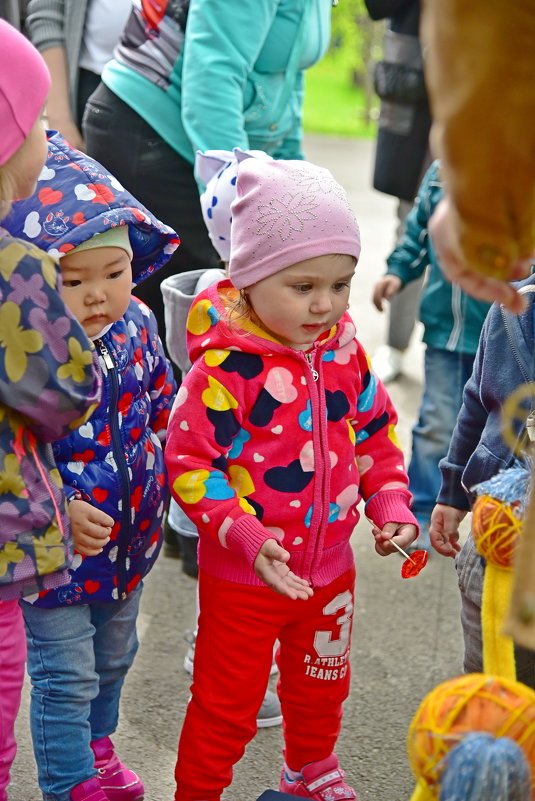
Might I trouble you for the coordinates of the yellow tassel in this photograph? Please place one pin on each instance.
(422, 792)
(498, 648)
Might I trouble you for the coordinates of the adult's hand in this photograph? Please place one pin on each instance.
(458, 271)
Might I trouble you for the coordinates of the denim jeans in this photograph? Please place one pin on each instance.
(445, 374)
(471, 573)
(78, 657)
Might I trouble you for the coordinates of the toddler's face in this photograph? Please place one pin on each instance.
(97, 284)
(300, 302)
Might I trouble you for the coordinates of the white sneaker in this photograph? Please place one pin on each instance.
(387, 363)
(190, 637)
(269, 713)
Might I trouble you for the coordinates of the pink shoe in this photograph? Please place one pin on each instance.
(117, 782)
(323, 781)
(89, 790)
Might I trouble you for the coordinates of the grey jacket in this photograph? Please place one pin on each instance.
(59, 23)
(14, 11)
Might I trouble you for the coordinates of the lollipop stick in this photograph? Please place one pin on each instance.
(406, 555)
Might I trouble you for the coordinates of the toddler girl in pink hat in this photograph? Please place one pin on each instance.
(278, 431)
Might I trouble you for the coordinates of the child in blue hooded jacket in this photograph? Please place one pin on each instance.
(112, 468)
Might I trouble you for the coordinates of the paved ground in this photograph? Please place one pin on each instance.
(406, 636)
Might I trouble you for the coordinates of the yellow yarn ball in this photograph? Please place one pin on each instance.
(496, 527)
(475, 702)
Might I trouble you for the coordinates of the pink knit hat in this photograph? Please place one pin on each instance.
(286, 212)
(24, 82)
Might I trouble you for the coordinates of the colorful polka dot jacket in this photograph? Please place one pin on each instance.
(267, 442)
(115, 459)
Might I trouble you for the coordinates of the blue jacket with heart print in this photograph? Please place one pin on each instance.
(115, 459)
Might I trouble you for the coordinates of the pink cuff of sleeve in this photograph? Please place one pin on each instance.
(247, 535)
(390, 506)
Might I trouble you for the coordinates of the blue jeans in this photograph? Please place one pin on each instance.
(78, 657)
(445, 374)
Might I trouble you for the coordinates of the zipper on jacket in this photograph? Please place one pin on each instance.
(118, 453)
(315, 374)
(513, 346)
(320, 462)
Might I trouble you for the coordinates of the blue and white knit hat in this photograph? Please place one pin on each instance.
(218, 170)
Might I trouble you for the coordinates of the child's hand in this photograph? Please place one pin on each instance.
(444, 529)
(270, 566)
(404, 533)
(385, 289)
(91, 528)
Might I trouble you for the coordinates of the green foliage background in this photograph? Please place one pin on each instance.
(339, 96)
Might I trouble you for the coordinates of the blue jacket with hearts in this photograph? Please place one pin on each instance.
(115, 459)
(270, 442)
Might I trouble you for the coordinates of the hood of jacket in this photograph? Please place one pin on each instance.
(208, 327)
(520, 328)
(76, 198)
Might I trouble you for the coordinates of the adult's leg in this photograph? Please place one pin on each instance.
(87, 83)
(12, 660)
(158, 177)
(61, 665)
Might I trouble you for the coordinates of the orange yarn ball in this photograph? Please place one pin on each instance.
(475, 702)
(496, 527)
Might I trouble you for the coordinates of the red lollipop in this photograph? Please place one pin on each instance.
(414, 563)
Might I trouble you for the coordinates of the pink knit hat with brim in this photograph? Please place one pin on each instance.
(286, 212)
(24, 83)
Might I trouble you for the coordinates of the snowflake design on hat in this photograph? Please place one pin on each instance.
(286, 214)
(320, 181)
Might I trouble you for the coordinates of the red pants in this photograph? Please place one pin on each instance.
(238, 626)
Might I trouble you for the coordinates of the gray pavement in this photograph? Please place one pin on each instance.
(406, 636)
